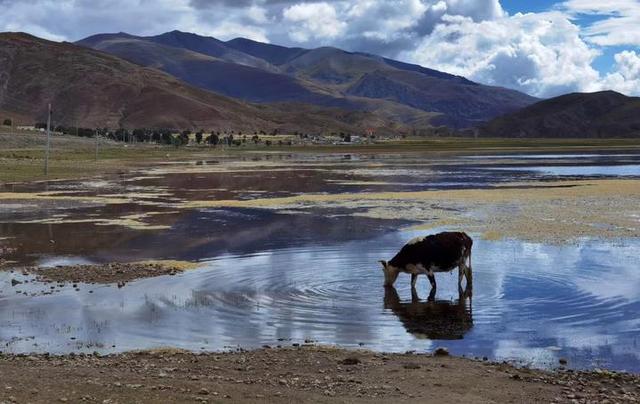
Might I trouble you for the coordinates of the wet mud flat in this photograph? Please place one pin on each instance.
(298, 374)
(116, 272)
(161, 212)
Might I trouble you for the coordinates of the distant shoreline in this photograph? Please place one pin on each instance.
(72, 157)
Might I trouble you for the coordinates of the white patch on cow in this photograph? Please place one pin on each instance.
(415, 240)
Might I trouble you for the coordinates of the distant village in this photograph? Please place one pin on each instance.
(228, 138)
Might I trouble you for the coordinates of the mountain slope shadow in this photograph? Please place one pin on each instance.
(431, 319)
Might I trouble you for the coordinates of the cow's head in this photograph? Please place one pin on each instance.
(390, 273)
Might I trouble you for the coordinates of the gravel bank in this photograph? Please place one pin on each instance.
(299, 374)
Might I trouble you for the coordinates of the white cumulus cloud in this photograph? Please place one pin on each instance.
(382, 19)
(626, 76)
(618, 22)
(478, 10)
(541, 54)
(313, 21)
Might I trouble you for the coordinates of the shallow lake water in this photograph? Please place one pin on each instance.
(621, 170)
(282, 278)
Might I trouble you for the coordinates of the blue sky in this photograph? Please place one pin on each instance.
(524, 6)
(604, 63)
(541, 47)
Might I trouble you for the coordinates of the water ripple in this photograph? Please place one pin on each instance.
(333, 294)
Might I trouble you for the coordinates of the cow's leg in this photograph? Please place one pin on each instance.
(466, 292)
(464, 271)
(468, 272)
(414, 296)
(432, 279)
(414, 279)
(432, 295)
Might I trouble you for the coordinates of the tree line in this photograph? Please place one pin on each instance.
(168, 136)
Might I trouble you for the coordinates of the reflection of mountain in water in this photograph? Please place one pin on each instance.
(213, 232)
(433, 319)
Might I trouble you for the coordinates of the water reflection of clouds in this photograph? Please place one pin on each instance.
(527, 297)
(578, 297)
(623, 280)
(588, 170)
(515, 350)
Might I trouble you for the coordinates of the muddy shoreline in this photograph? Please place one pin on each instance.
(298, 374)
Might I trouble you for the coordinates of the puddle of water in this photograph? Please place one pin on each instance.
(623, 170)
(532, 303)
(50, 262)
(556, 156)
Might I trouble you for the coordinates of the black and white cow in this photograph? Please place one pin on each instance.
(440, 252)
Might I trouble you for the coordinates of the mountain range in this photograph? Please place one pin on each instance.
(329, 77)
(182, 80)
(90, 88)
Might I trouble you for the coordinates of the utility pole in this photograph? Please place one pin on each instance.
(96, 135)
(46, 155)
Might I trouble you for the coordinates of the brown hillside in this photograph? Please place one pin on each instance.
(94, 89)
(604, 114)
(91, 88)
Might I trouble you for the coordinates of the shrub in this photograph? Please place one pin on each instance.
(214, 139)
(167, 138)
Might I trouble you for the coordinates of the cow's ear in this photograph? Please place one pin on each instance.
(384, 263)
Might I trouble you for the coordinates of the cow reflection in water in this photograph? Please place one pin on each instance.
(432, 319)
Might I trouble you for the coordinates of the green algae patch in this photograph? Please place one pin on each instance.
(507, 192)
(131, 224)
(134, 221)
(53, 196)
(551, 211)
(357, 183)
